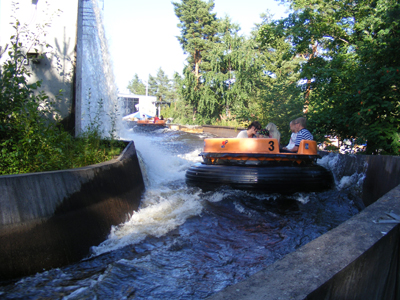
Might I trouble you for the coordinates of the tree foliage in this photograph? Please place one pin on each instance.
(161, 87)
(241, 80)
(334, 62)
(199, 28)
(226, 88)
(283, 97)
(351, 69)
(136, 86)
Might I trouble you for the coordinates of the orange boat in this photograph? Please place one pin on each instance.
(149, 122)
(258, 164)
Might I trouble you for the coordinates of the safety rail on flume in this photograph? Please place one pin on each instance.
(258, 164)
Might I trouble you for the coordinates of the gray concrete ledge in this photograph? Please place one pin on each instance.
(51, 219)
(222, 131)
(219, 131)
(357, 260)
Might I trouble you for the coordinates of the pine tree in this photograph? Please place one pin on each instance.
(136, 86)
(199, 28)
(160, 86)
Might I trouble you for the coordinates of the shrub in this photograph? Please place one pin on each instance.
(31, 139)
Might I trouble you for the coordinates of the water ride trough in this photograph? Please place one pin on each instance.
(258, 164)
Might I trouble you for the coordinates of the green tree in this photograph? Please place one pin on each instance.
(231, 83)
(178, 109)
(351, 67)
(240, 81)
(282, 96)
(377, 77)
(161, 86)
(136, 86)
(199, 28)
(175, 86)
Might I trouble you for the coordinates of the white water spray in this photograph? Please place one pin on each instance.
(98, 93)
(332, 162)
(167, 202)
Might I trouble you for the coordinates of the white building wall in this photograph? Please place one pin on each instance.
(77, 63)
(56, 69)
(146, 104)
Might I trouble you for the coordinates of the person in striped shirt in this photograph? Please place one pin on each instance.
(299, 126)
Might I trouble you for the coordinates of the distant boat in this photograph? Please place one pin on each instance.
(151, 122)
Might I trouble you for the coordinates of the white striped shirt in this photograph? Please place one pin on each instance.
(303, 134)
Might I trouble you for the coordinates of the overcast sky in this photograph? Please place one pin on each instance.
(142, 34)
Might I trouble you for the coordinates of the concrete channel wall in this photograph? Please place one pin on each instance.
(51, 219)
(222, 131)
(219, 131)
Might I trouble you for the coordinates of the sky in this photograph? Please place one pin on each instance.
(142, 34)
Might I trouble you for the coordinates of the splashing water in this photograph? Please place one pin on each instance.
(166, 204)
(353, 181)
(97, 90)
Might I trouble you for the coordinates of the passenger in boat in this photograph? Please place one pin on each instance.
(156, 118)
(144, 117)
(251, 130)
(270, 131)
(293, 137)
(273, 132)
(299, 126)
(161, 117)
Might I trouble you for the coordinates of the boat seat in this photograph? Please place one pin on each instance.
(240, 145)
(307, 147)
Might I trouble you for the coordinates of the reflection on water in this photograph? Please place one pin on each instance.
(186, 244)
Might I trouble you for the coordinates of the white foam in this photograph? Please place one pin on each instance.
(328, 161)
(160, 167)
(354, 180)
(154, 219)
(164, 206)
(332, 162)
(216, 197)
(239, 207)
(192, 156)
(302, 198)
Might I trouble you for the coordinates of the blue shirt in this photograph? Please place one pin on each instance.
(303, 134)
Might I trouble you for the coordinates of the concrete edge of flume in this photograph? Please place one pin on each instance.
(52, 219)
(359, 259)
(221, 131)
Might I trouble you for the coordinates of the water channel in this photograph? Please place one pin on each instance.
(187, 244)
